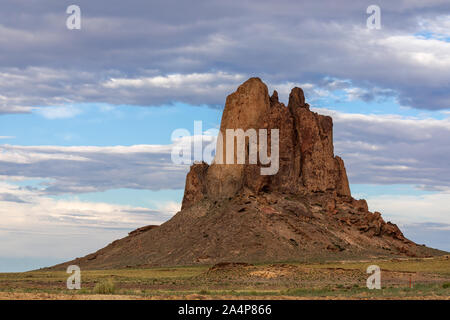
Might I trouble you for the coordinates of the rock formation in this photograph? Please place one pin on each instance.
(306, 153)
(230, 212)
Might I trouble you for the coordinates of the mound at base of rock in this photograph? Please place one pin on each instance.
(256, 228)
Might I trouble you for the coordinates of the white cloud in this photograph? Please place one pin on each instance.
(47, 151)
(432, 54)
(21, 155)
(169, 207)
(80, 169)
(439, 27)
(62, 112)
(391, 149)
(174, 81)
(406, 209)
(36, 209)
(32, 221)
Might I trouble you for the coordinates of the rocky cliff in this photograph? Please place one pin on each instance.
(231, 212)
(306, 155)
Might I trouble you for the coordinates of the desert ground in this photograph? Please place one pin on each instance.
(409, 278)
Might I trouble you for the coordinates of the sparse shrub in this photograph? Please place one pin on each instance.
(105, 287)
(82, 291)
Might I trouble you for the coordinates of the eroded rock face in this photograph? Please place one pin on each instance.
(195, 187)
(244, 109)
(306, 154)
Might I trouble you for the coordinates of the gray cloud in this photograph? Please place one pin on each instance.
(391, 149)
(91, 169)
(11, 198)
(43, 63)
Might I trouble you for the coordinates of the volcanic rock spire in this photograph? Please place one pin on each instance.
(306, 155)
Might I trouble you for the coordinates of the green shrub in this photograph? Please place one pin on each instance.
(446, 285)
(105, 287)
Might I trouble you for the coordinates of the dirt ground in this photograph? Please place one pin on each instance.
(48, 296)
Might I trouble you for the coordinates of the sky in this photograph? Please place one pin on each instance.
(87, 116)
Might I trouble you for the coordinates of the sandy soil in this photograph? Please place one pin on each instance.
(48, 296)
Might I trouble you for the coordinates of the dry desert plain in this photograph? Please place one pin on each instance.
(428, 277)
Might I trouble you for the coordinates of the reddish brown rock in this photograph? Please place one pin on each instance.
(195, 187)
(360, 205)
(306, 155)
(141, 230)
(297, 99)
(244, 109)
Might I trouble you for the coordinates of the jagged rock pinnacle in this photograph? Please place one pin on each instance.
(306, 153)
(296, 98)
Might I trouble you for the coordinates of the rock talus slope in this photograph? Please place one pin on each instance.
(230, 212)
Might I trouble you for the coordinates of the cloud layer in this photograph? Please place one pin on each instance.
(155, 53)
(91, 169)
(384, 149)
(35, 225)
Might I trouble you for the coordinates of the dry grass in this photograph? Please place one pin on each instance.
(337, 280)
(438, 265)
